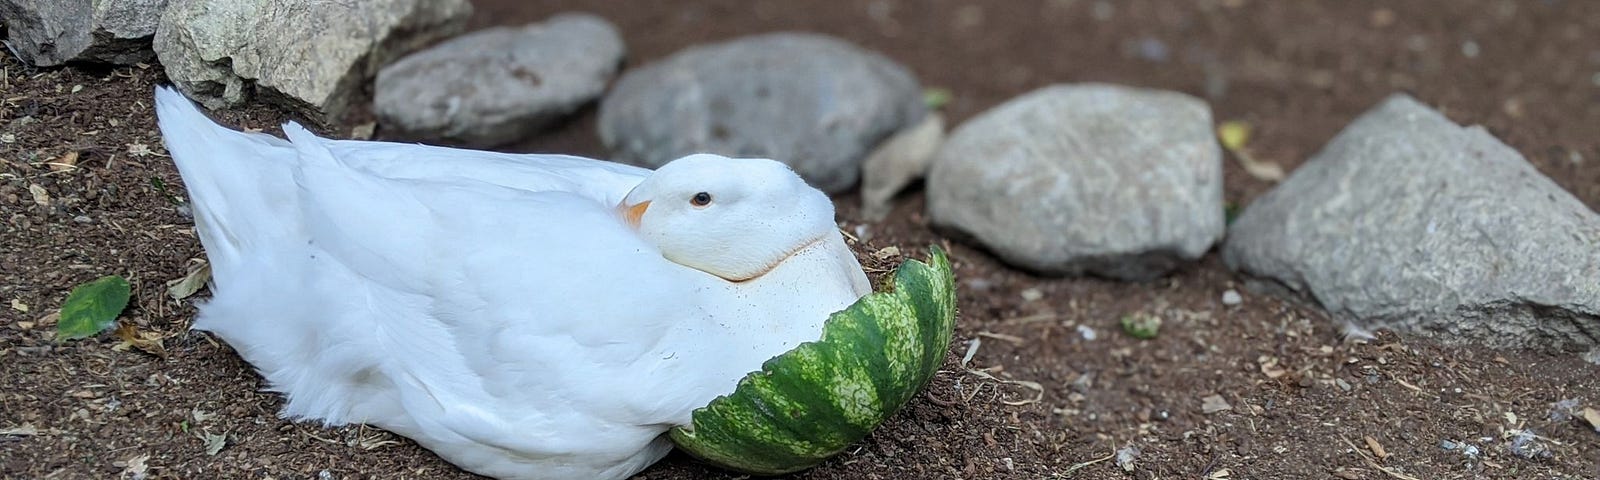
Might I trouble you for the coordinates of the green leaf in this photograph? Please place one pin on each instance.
(92, 308)
(1141, 325)
(936, 98)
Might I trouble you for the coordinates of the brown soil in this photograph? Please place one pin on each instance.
(1303, 403)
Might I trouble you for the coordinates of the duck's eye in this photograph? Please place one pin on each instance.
(700, 199)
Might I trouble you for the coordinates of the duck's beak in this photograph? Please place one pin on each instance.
(632, 213)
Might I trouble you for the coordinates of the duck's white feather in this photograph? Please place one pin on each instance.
(490, 306)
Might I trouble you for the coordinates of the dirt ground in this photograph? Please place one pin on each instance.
(1300, 403)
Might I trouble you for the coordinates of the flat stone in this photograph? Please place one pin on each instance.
(498, 85)
(314, 57)
(1101, 179)
(816, 103)
(52, 32)
(1408, 221)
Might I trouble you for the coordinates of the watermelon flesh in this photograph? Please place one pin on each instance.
(813, 401)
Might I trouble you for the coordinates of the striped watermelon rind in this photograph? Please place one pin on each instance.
(815, 400)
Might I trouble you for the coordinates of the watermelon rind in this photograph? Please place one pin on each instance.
(817, 399)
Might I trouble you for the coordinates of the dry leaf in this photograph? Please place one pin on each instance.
(69, 161)
(16, 304)
(1593, 417)
(886, 253)
(200, 416)
(1213, 404)
(138, 149)
(363, 131)
(135, 467)
(214, 443)
(1272, 369)
(1377, 448)
(182, 288)
(24, 430)
(149, 342)
(40, 196)
(1233, 136)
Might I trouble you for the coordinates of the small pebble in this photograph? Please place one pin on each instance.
(1087, 333)
(1032, 295)
(82, 219)
(1470, 49)
(1231, 297)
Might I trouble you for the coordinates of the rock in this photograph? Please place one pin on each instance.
(814, 102)
(52, 32)
(1408, 221)
(1114, 181)
(898, 161)
(311, 56)
(498, 85)
(1231, 297)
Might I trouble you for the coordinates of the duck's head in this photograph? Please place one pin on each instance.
(733, 218)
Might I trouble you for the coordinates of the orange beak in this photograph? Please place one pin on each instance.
(634, 213)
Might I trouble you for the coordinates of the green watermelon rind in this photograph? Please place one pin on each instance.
(817, 399)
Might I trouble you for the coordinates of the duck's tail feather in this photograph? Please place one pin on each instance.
(240, 184)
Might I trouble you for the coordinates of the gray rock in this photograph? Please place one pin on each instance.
(1109, 180)
(500, 84)
(1408, 221)
(814, 102)
(312, 56)
(52, 32)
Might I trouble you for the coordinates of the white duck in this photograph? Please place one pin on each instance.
(523, 316)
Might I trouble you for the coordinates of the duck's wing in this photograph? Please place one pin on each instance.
(240, 182)
(503, 313)
(605, 182)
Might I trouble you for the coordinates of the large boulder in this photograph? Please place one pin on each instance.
(52, 32)
(500, 84)
(1408, 221)
(814, 102)
(312, 56)
(1107, 180)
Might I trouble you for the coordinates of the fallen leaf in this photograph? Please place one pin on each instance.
(214, 442)
(92, 307)
(886, 253)
(199, 415)
(16, 304)
(936, 98)
(139, 150)
(68, 161)
(135, 468)
(1219, 474)
(24, 430)
(1377, 448)
(40, 196)
(1213, 404)
(1233, 134)
(1141, 325)
(149, 342)
(197, 277)
(363, 131)
(1270, 367)
(1593, 417)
